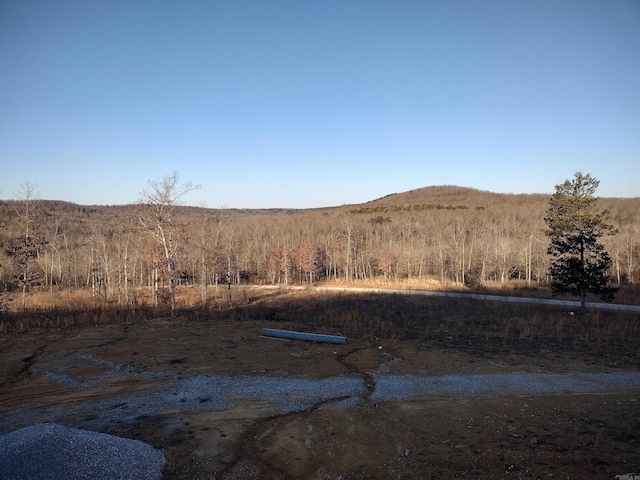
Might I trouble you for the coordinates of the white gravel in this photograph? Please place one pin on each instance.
(54, 452)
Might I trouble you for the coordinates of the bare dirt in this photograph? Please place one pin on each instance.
(129, 380)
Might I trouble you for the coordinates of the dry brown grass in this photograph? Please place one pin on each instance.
(424, 283)
(475, 326)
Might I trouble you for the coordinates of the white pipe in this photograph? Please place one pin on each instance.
(309, 337)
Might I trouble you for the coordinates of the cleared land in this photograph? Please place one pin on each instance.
(424, 388)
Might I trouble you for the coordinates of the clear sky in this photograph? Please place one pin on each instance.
(310, 103)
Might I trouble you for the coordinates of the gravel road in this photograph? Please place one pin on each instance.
(45, 451)
(404, 387)
(277, 395)
(474, 296)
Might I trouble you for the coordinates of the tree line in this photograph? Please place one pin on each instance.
(144, 251)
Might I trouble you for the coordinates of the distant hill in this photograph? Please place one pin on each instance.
(448, 195)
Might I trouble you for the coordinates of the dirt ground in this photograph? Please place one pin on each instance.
(49, 375)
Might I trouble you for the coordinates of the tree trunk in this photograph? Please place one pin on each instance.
(24, 297)
(583, 292)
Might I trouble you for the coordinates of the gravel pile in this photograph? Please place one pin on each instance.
(53, 452)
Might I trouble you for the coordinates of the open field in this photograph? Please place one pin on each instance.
(425, 387)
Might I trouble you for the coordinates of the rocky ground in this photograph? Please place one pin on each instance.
(222, 402)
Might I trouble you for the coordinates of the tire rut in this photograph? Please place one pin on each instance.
(369, 380)
(248, 455)
(25, 369)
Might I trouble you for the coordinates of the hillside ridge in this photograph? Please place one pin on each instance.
(452, 195)
(429, 194)
(447, 196)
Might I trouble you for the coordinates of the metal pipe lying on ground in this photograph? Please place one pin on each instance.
(309, 337)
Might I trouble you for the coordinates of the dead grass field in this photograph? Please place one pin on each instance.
(58, 363)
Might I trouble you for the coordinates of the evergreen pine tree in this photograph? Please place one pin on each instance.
(579, 262)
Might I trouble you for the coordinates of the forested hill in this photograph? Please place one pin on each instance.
(448, 195)
(71, 214)
(524, 206)
(439, 197)
(445, 233)
(534, 205)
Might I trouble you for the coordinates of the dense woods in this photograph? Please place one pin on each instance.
(434, 235)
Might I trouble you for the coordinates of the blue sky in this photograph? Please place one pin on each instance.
(305, 103)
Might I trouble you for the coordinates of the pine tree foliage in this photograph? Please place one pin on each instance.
(579, 262)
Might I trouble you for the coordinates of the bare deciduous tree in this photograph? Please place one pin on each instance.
(157, 219)
(24, 249)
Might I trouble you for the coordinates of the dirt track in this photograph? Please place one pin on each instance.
(473, 296)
